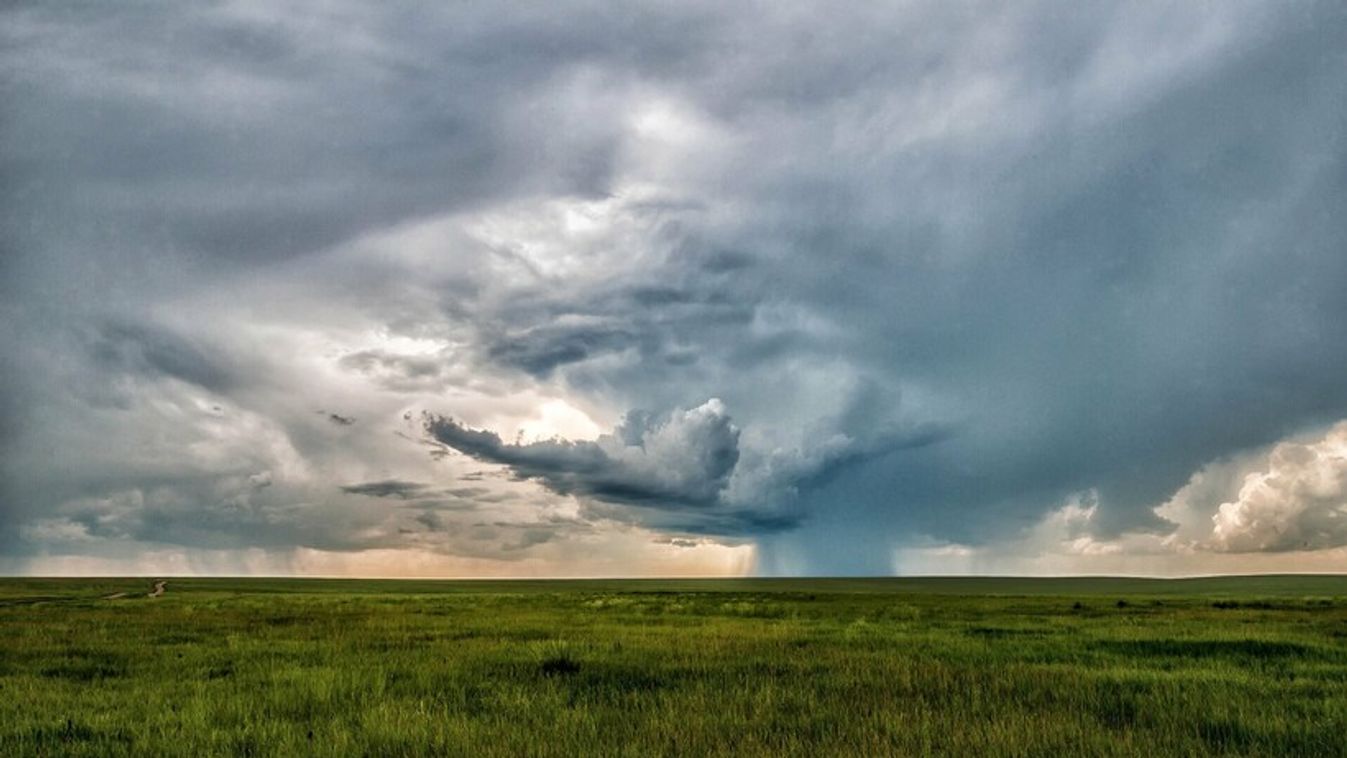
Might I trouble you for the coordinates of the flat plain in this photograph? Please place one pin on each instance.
(986, 666)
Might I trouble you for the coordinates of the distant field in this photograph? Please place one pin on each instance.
(1233, 665)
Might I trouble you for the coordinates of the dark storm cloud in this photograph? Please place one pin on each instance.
(677, 542)
(683, 461)
(688, 300)
(682, 471)
(251, 134)
(947, 265)
(144, 349)
(540, 351)
(395, 488)
(665, 473)
(397, 372)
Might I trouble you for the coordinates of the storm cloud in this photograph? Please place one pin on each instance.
(681, 462)
(387, 488)
(968, 278)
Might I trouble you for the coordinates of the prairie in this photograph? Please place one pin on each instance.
(988, 666)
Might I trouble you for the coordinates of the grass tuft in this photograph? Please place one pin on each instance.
(556, 658)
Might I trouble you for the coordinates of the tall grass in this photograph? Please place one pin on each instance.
(243, 668)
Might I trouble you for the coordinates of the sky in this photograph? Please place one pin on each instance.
(584, 289)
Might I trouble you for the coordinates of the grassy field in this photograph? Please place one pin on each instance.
(1236, 665)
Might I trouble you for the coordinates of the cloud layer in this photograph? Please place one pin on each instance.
(952, 270)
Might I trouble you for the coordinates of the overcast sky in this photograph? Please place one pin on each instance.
(572, 289)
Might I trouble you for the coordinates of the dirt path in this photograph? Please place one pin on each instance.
(158, 589)
(115, 596)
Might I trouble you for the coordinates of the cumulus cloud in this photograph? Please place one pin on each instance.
(1277, 508)
(1297, 502)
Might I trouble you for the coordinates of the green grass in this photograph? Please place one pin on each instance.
(1238, 665)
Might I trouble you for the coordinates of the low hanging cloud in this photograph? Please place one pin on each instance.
(1297, 502)
(683, 460)
(685, 471)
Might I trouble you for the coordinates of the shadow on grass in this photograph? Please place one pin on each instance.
(1199, 649)
(89, 668)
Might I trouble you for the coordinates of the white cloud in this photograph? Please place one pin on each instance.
(1297, 501)
(1280, 508)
